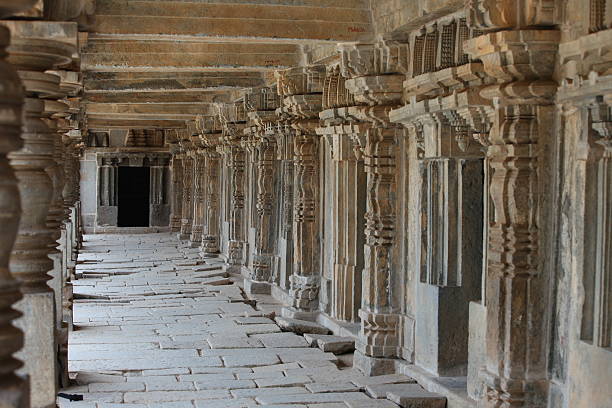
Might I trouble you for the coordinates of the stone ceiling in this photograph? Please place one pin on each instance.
(157, 63)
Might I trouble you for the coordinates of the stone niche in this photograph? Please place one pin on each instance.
(154, 181)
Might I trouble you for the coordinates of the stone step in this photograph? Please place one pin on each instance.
(415, 396)
(331, 344)
(300, 326)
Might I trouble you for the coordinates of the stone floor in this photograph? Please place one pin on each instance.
(155, 326)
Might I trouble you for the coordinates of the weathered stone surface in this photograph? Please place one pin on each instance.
(332, 344)
(414, 396)
(300, 326)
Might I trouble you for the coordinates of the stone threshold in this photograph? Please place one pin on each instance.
(453, 388)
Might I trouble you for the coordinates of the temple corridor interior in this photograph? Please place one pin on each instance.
(306, 203)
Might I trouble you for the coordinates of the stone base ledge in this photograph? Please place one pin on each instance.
(453, 388)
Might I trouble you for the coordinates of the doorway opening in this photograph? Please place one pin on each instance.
(134, 184)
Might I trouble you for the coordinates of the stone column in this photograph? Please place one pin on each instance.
(209, 129)
(301, 89)
(284, 250)
(29, 260)
(237, 183)
(344, 238)
(199, 189)
(14, 392)
(108, 206)
(177, 188)
(261, 104)
(262, 258)
(517, 289)
(187, 205)
(210, 236)
(377, 88)
(159, 207)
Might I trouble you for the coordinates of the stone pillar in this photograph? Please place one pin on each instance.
(301, 89)
(209, 129)
(158, 198)
(237, 184)
(14, 392)
(177, 188)
(29, 260)
(262, 104)
(377, 88)
(108, 206)
(284, 250)
(187, 205)
(521, 62)
(199, 188)
(345, 223)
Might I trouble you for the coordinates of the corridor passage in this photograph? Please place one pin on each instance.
(155, 326)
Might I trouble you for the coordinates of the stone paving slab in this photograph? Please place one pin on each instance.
(159, 327)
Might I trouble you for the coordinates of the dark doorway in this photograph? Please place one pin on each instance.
(134, 185)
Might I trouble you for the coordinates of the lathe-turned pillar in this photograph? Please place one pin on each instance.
(29, 259)
(210, 136)
(199, 188)
(301, 90)
(262, 104)
(177, 188)
(187, 205)
(377, 88)
(14, 392)
(516, 282)
(237, 154)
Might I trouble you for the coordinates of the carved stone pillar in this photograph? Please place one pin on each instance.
(14, 392)
(262, 104)
(177, 188)
(108, 205)
(158, 195)
(187, 205)
(301, 89)
(29, 260)
(516, 288)
(210, 236)
(266, 156)
(210, 134)
(345, 201)
(376, 87)
(199, 194)
(236, 228)
(284, 250)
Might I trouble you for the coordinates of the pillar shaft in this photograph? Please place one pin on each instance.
(177, 192)
(262, 262)
(210, 237)
(199, 204)
(13, 389)
(516, 289)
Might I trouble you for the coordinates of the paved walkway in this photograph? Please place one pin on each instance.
(158, 327)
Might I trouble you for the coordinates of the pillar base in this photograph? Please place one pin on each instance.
(372, 366)
(14, 392)
(293, 313)
(39, 351)
(259, 288)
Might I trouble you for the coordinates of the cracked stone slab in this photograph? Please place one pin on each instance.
(331, 344)
(415, 396)
(300, 326)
